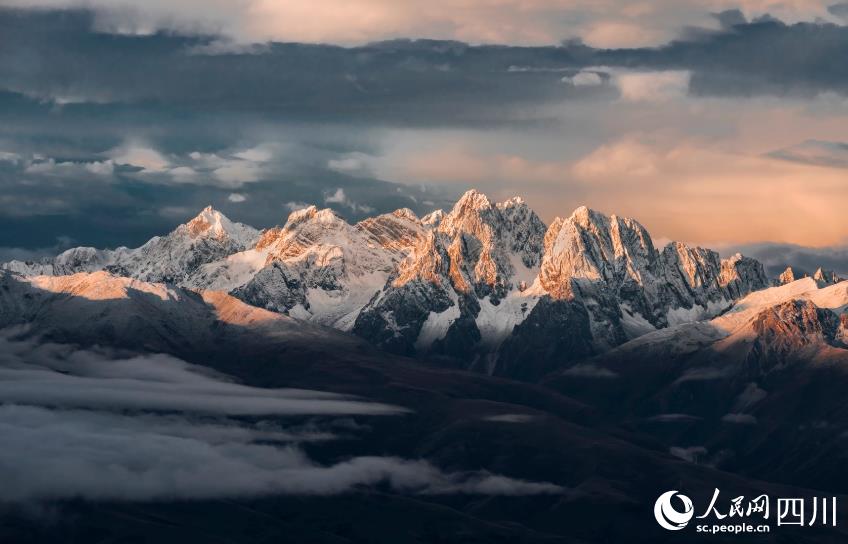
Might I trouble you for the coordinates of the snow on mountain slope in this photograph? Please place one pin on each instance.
(321, 268)
(609, 266)
(229, 273)
(462, 283)
(765, 327)
(747, 307)
(831, 297)
(100, 308)
(71, 261)
(466, 284)
(172, 258)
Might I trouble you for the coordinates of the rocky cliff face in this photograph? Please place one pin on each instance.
(485, 285)
(319, 267)
(787, 276)
(490, 286)
(626, 287)
(460, 287)
(826, 277)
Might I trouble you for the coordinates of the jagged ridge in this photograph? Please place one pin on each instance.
(484, 284)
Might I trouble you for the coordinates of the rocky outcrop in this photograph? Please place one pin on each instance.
(787, 276)
(785, 330)
(826, 277)
(479, 253)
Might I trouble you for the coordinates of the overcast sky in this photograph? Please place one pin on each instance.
(716, 122)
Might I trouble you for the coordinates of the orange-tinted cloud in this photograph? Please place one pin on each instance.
(602, 23)
(686, 190)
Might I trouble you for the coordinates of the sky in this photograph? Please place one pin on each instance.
(720, 123)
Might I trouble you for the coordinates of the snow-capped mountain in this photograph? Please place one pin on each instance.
(172, 258)
(319, 267)
(101, 309)
(207, 238)
(465, 286)
(484, 284)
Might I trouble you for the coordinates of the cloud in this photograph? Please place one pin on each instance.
(626, 158)
(615, 34)
(336, 198)
(777, 256)
(236, 174)
(232, 169)
(107, 426)
(707, 194)
(295, 206)
(453, 162)
(351, 117)
(236, 197)
(57, 375)
(839, 10)
(354, 164)
(584, 78)
(339, 197)
(61, 454)
(620, 23)
(51, 167)
(183, 174)
(8, 156)
(652, 86)
(141, 156)
(816, 152)
(263, 153)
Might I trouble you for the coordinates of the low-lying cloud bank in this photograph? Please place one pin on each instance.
(107, 426)
(59, 375)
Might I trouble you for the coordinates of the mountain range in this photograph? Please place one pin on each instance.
(575, 358)
(484, 286)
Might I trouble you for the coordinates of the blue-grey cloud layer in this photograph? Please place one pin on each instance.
(72, 95)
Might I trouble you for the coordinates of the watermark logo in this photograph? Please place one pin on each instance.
(670, 517)
(674, 511)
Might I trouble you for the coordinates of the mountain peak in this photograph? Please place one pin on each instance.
(473, 199)
(405, 213)
(209, 222)
(312, 213)
(825, 277)
(512, 203)
(586, 216)
(787, 276)
(433, 218)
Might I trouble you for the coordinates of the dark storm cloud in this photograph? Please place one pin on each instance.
(760, 57)
(804, 260)
(101, 425)
(56, 56)
(71, 95)
(73, 172)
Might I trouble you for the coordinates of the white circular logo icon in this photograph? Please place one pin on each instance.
(668, 516)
